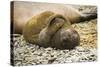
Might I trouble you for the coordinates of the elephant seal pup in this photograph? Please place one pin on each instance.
(47, 31)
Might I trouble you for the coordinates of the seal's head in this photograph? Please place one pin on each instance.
(70, 38)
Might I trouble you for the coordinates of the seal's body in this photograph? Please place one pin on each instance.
(51, 30)
(47, 24)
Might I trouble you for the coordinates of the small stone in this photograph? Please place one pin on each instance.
(48, 49)
(51, 60)
(80, 49)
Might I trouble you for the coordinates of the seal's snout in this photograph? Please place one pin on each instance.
(70, 38)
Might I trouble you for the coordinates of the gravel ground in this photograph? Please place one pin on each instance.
(24, 53)
(29, 54)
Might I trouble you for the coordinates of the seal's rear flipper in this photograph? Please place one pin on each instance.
(89, 15)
